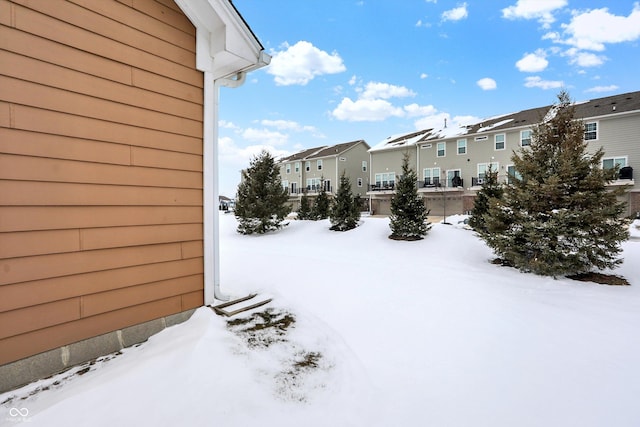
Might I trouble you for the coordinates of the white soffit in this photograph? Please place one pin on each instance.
(225, 44)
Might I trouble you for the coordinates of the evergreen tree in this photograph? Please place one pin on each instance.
(491, 189)
(557, 217)
(304, 211)
(345, 213)
(322, 204)
(408, 211)
(261, 203)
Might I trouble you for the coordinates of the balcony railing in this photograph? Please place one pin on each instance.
(382, 186)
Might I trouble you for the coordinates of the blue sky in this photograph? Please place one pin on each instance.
(344, 70)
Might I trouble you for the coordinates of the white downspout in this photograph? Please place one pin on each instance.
(211, 187)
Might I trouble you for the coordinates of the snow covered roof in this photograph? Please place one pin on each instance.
(402, 140)
(323, 151)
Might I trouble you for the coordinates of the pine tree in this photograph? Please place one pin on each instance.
(304, 211)
(322, 204)
(408, 219)
(345, 213)
(261, 203)
(491, 189)
(557, 217)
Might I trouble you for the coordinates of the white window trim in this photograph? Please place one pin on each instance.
(444, 144)
(296, 167)
(359, 182)
(458, 147)
(307, 166)
(597, 131)
(319, 164)
(626, 160)
(495, 167)
(364, 166)
(495, 142)
(287, 168)
(521, 137)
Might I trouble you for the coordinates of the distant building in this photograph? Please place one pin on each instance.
(452, 162)
(321, 167)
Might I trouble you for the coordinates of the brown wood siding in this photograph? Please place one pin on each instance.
(101, 221)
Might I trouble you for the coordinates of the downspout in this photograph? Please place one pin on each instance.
(211, 157)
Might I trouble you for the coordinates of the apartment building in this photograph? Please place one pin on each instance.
(313, 169)
(452, 162)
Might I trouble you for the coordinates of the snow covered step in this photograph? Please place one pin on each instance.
(239, 305)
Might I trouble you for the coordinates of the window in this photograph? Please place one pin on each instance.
(313, 184)
(364, 166)
(285, 185)
(296, 167)
(512, 174)
(431, 176)
(385, 180)
(442, 149)
(525, 138)
(288, 167)
(307, 166)
(319, 164)
(359, 182)
(294, 188)
(462, 146)
(453, 178)
(590, 131)
(499, 140)
(483, 169)
(611, 162)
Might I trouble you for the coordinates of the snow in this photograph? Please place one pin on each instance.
(386, 143)
(494, 125)
(409, 334)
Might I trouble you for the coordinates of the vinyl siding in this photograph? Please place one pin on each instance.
(100, 169)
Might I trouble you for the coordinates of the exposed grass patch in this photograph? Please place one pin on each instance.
(603, 279)
(263, 328)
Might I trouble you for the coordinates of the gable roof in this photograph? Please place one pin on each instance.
(599, 107)
(402, 140)
(301, 155)
(337, 149)
(323, 151)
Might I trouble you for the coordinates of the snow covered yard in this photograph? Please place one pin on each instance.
(381, 333)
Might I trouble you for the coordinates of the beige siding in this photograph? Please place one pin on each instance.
(100, 169)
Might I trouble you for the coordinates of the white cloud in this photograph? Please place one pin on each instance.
(487, 83)
(375, 90)
(415, 110)
(437, 120)
(301, 63)
(227, 125)
(353, 80)
(533, 62)
(542, 10)
(593, 29)
(421, 23)
(365, 110)
(599, 89)
(424, 75)
(584, 59)
(265, 136)
(537, 81)
(456, 14)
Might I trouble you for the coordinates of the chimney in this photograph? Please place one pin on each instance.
(445, 123)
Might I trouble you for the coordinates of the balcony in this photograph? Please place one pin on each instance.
(382, 186)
